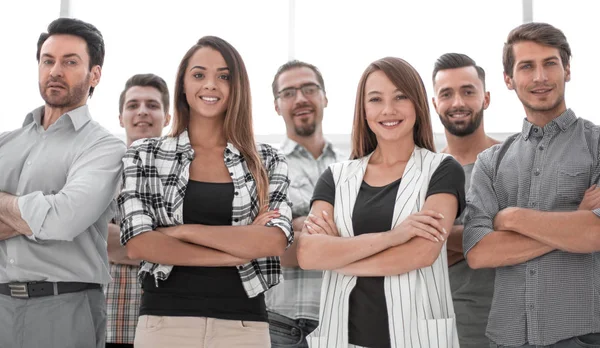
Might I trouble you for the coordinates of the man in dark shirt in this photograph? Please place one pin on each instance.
(459, 99)
(532, 209)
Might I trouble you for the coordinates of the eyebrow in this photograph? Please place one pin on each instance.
(378, 92)
(69, 55)
(203, 68)
(135, 100)
(529, 61)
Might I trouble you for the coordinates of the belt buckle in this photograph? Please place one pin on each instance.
(18, 290)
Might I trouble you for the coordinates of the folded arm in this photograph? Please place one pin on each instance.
(416, 253)
(116, 252)
(91, 183)
(11, 222)
(7, 232)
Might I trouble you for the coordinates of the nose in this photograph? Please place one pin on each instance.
(388, 108)
(143, 110)
(300, 97)
(540, 74)
(457, 101)
(56, 69)
(209, 83)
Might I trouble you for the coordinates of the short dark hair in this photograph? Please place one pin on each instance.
(76, 27)
(455, 61)
(146, 80)
(540, 33)
(292, 64)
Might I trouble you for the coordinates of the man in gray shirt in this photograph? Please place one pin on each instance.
(299, 92)
(58, 181)
(460, 97)
(532, 207)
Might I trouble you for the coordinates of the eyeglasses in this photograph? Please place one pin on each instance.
(308, 90)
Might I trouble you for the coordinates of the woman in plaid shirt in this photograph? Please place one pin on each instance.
(187, 209)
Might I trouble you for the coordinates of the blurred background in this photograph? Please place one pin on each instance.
(340, 38)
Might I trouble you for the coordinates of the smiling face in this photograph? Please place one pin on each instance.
(390, 114)
(64, 75)
(302, 114)
(460, 99)
(143, 115)
(206, 84)
(539, 79)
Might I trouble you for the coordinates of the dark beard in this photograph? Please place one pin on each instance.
(306, 130)
(74, 95)
(461, 130)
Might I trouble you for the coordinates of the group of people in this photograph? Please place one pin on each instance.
(205, 238)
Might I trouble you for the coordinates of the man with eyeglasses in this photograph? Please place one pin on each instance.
(300, 98)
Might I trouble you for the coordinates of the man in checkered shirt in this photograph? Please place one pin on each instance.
(533, 206)
(143, 112)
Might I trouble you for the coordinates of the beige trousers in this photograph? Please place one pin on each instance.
(200, 332)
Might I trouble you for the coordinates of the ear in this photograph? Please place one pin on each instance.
(277, 107)
(121, 121)
(568, 73)
(167, 120)
(95, 73)
(434, 104)
(486, 100)
(326, 102)
(508, 81)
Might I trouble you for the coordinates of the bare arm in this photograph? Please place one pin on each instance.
(10, 215)
(505, 248)
(454, 245)
(116, 252)
(289, 258)
(415, 254)
(575, 231)
(245, 242)
(159, 248)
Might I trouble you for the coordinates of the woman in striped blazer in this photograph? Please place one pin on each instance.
(379, 222)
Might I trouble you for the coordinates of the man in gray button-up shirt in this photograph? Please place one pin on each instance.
(531, 212)
(59, 175)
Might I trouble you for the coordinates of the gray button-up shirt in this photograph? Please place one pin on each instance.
(66, 178)
(298, 296)
(555, 296)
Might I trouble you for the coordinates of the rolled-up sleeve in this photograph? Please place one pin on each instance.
(89, 190)
(482, 202)
(279, 183)
(135, 212)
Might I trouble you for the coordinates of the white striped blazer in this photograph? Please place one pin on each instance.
(419, 303)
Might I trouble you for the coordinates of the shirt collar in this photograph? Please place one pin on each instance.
(289, 146)
(562, 122)
(79, 116)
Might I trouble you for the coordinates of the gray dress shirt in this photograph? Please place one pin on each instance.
(66, 178)
(555, 296)
(299, 294)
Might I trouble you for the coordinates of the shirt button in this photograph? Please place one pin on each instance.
(230, 173)
(536, 172)
(28, 163)
(236, 220)
(535, 130)
(11, 261)
(531, 306)
(18, 193)
(532, 204)
(532, 272)
(541, 147)
(236, 193)
(44, 136)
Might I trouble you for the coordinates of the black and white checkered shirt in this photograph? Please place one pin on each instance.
(155, 177)
(555, 296)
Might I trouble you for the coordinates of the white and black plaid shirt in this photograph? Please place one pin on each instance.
(155, 177)
(555, 296)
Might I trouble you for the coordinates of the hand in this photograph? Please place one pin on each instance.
(264, 216)
(324, 225)
(425, 224)
(591, 199)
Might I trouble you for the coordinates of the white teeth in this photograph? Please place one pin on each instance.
(210, 99)
(458, 115)
(390, 124)
(302, 113)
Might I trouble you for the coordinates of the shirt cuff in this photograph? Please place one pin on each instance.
(597, 212)
(34, 207)
(285, 226)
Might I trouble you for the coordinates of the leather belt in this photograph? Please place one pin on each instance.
(26, 290)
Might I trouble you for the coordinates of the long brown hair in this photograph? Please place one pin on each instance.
(238, 116)
(408, 81)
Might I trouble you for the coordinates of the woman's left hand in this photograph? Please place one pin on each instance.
(324, 225)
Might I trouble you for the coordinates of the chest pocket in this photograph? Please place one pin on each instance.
(572, 183)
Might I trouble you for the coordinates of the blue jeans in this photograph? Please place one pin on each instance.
(586, 341)
(289, 333)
